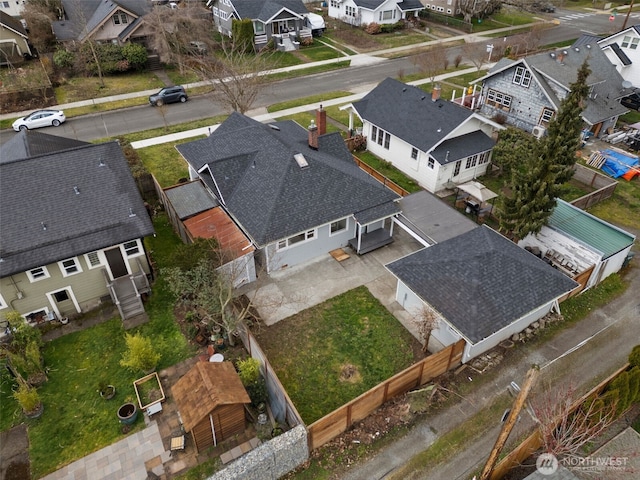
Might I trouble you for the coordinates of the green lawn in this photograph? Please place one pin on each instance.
(81, 88)
(314, 99)
(165, 163)
(76, 420)
(319, 51)
(389, 171)
(311, 349)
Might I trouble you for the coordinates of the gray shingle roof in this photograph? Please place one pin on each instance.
(480, 281)
(265, 9)
(38, 192)
(405, 6)
(462, 147)
(369, 4)
(12, 23)
(190, 199)
(562, 67)
(424, 122)
(27, 143)
(86, 15)
(410, 5)
(265, 190)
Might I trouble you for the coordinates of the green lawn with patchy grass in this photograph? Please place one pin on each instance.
(318, 52)
(76, 420)
(389, 171)
(82, 88)
(165, 163)
(312, 350)
(311, 100)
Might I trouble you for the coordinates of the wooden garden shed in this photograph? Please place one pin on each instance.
(211, 399)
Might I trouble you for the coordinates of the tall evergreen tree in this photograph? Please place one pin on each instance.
(562, 142)
(536, 183)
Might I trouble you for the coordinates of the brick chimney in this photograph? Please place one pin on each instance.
(321, 120)
(313, 135)
(435, 95)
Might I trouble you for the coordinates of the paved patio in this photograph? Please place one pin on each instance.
(294, 289)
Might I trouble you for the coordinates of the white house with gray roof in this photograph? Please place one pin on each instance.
(117, 21)
(481, 287)
(623, 50)
(72, 224)
(280, 20)
(527, 93)
(296, 193)
(428, 138)
(363, 12)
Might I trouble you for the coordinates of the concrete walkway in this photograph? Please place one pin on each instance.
(128, 459)
(356, 60)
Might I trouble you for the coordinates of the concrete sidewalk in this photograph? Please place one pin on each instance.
(356, 60)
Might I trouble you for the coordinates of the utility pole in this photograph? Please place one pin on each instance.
(624, 25)
(509, 423)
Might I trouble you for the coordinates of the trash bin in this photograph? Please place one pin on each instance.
(627, 260)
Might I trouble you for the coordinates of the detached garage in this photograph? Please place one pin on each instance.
(211, 400)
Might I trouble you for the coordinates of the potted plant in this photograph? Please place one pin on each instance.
(127, 413)
(107, 391)
(29, 400)
(140, 354)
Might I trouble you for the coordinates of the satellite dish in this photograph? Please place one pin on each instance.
(626, 84)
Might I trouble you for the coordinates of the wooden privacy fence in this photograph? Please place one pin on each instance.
(534, 441)
(605, 187)
(281, 405)
(330, 426)
(381, 178)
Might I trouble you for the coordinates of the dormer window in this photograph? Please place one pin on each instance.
(522, 76)
(629, 42)
(120, 18)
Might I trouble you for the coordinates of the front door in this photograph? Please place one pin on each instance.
(116, 263)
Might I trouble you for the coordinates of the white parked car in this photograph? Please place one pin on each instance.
(39, 118)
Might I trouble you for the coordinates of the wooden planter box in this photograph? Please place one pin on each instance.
(149, 390)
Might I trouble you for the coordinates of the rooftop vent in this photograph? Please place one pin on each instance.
(43, 225)
(300, 160)
(588, 46)
(131, 213)
(564, 52)
(76, 190)
(576, 49)
(422, 97)
(274, 127)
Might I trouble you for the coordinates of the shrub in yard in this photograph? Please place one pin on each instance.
(249, 373)
(63, 58)
(136, 55)
(373, 28)
(140, 354)
(27, 397)
(359, 143)
(391, 27)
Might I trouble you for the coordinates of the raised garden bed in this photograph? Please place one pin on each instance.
(149, 390)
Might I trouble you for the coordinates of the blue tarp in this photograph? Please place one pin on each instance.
(617, 164)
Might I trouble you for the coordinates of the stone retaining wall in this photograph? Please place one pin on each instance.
(271, 460)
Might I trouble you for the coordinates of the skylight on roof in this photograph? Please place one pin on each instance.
(300, 160)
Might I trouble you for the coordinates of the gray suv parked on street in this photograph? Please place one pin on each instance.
(168, 95)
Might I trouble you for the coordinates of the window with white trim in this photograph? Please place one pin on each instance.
(472, 161)
(120, 18)
(36, 274)
(258, 27)
(629, 42)
(456, 169)
(484, 158)
(350, 11)
(338, 226)
(131, 248)
(414, 153)
(499, 99)
(522, 76)
(3, 304)
(335, 4)
(216, 11)
(387, 15)
(431, 163)
(296, 239)
(374, 133)
(547, 115)
(70, 266)
(93, 259)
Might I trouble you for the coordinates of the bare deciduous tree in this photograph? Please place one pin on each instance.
(565, 426)
(38, 15)
(478, 8)
(431, 62)
(476, 53)
(426, 320)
